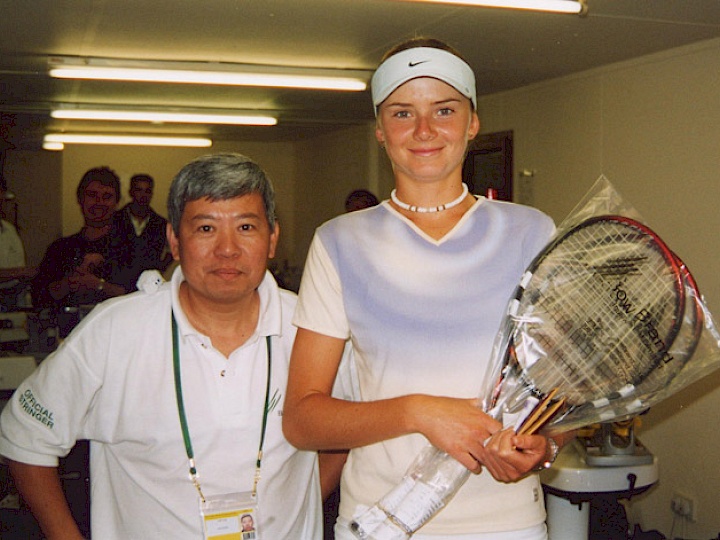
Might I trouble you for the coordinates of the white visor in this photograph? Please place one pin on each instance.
(422, 62)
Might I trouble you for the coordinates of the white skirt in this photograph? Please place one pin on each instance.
(538, 532)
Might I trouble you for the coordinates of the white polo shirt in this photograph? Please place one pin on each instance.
(112, 382)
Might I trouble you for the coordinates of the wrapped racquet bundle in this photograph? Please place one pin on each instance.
(606, 322)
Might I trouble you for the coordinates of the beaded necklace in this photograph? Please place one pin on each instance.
(428, 209)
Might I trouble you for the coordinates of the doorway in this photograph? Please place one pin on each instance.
(489, 165)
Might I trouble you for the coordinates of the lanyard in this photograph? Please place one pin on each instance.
(183, 418)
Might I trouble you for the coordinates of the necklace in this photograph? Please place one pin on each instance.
(428, 209)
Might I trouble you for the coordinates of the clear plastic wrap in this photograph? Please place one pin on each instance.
(511, 394)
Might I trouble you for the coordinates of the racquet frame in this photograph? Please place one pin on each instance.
(550, 403)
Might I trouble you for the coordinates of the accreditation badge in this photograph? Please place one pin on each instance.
(233, 516)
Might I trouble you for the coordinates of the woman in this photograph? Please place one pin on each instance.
(419, 284)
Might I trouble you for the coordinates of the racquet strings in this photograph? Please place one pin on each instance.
(602, 307)
(686, 341)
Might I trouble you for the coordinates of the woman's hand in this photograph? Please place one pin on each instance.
(456, 426)
(509, 457)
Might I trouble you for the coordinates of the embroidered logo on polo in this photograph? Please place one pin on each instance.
(274, 401)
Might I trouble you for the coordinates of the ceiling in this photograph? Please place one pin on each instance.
(507, 49)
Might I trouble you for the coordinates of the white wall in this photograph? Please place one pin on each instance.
(652, 126)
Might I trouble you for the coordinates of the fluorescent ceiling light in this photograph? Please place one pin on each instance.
(557, 6)
(67, 138)
(54, 146)
(156, 116)
(207, 73)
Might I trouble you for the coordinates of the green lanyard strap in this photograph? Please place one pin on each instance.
(183, 417)
(181, 409)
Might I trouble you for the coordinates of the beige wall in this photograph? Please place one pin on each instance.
(652, 126)
(328, 169)
(34, 177)
(312, 177)
(163, 163)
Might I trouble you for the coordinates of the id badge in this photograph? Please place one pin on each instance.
(233, 516)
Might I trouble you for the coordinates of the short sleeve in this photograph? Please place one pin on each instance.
(320, 306)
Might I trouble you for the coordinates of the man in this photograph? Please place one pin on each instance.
(248, 525)
(359, 200)
(179, 387)
(12, 252)
(13, 273)
(85, 268)
(142, 230)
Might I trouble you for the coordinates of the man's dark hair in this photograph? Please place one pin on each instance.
(360, 198)
(104, 175)
(135, 178)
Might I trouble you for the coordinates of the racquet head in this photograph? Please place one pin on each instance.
(596, 314)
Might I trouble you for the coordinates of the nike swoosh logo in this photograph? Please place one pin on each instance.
(413, 64)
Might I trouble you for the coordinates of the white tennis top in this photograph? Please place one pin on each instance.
(422, 315)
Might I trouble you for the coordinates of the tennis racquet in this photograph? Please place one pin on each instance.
(597, 314)
(593, 320)
(660, 383)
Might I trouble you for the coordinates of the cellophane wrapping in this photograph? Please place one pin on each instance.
(509, 395)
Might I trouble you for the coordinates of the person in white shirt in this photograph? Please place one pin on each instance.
(12, 251)
(179, 387)
(14, 275)
(419, 284)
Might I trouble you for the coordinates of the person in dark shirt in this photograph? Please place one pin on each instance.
(143, 231)
(360, 199)
(85, 268)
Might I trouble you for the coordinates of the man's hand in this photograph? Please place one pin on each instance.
(90, 263)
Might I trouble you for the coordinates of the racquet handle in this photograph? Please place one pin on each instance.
(542, 414)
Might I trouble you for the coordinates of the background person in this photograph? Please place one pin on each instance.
(419, 284)
(85, 268)
(12, 252)
(142, 230)
(359, 199)
(113, 382)
(14, 275)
